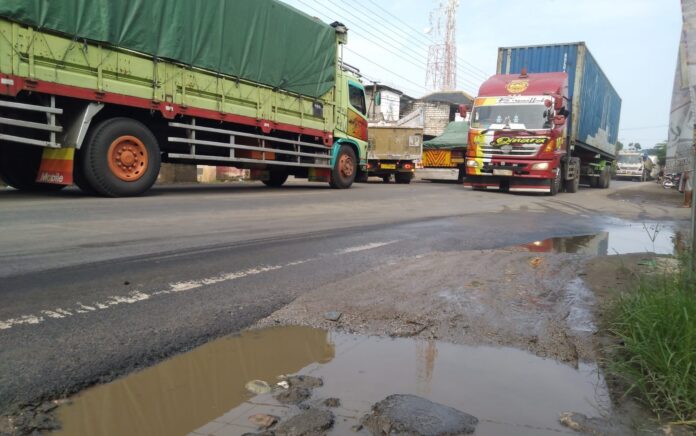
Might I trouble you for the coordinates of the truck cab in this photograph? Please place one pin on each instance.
(633, 165)
(517, 133)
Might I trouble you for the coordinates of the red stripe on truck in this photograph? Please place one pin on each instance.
(168, 110)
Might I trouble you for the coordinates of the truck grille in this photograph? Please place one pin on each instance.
(526, 150)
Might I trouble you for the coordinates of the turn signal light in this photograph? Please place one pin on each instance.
(471, 163)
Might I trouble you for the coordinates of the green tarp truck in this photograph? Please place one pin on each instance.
(99, 93)
(443, 156)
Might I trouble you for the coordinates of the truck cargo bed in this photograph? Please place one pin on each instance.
(596, 108)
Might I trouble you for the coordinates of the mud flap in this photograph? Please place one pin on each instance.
(319, 175)
(56, 166)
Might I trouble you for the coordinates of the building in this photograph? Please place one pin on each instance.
(383, 103)
(439, 108)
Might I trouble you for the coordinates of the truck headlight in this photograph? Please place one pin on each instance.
(471, 163)
(540, 166)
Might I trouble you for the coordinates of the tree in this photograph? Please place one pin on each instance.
(619, 146)
(660, 150)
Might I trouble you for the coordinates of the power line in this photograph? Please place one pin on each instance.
(645, 127)
(381, 46)
(466, 83)
(387, 70)
(424, 46)
(486, 75)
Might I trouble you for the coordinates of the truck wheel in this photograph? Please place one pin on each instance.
(345, 169)
(556, 183)
(403, 178)
(121, 158)
(276, 178)
(19, 165)
(573, 185)
(386, 178)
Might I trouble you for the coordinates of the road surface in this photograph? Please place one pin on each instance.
(93, 288)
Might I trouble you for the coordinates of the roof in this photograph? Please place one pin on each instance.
(531, 84)
(451, 97)
(456, 135)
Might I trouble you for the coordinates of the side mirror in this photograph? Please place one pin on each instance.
(463, 110)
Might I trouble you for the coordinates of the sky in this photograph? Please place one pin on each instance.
(634, 41)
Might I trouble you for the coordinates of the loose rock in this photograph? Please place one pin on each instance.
(305, 381)
(594, 426)
(410, 415)
(257, 387)
(262, 420)
(332, 316)
(294, 395)
(313, 422)
(332, 402)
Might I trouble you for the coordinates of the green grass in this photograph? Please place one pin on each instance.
(655, 357)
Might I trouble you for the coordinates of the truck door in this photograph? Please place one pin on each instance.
(357, 111)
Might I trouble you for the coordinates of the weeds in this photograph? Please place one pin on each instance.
(656, 352)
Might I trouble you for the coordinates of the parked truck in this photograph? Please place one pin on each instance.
(99, 93)
(393, 151)
(633, 165)
(444, 155)
(546, 122)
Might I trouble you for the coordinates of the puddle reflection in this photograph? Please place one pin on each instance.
(632, 238)
(189, 390)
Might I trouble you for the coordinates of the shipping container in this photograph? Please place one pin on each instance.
(596, 106)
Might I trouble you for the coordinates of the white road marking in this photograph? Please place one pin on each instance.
(364, 247)
(172, 288)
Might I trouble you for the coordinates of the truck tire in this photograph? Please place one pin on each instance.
(120, 158)
(276, 178)
(19, 165)
(556, 183)
(361, 177)
(403, 178)
(345, 169)
(386, 179)
(573, 185)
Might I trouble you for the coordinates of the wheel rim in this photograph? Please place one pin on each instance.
(128, 158)
(345, 166)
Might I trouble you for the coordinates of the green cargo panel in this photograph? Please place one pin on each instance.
(456, 135)
(264, 41)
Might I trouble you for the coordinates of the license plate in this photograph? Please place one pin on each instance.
(388, 166)
(502, 172)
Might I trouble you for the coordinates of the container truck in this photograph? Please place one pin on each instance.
(546, 122)
(393, 151)
(99, 93)
(443, 156)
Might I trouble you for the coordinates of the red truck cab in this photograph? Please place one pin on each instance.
(518, 131)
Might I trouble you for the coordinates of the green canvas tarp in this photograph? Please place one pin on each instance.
(455, 136)
(264, 41)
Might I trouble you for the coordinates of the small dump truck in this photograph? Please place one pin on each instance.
(633, 165)
(393, 151)
(100, 92)
(444, 156)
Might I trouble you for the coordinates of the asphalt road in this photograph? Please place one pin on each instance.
(93, 288)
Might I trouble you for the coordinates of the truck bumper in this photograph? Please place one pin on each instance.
(512, 184)
(379, 168)
(438, 174)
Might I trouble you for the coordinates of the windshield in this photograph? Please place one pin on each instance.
(513, 116)
(630, 159)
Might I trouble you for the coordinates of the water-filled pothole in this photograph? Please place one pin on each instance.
(621, 239)
(202, 391)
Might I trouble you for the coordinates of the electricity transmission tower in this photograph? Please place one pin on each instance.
(441, 74)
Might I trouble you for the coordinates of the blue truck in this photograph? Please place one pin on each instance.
(546, 122)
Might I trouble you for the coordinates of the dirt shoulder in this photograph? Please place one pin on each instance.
(508, 297)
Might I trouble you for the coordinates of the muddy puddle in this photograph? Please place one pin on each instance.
(202, 392)
(618, 239)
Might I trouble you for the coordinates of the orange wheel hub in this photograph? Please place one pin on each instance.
(345, 165)
(128, 158)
